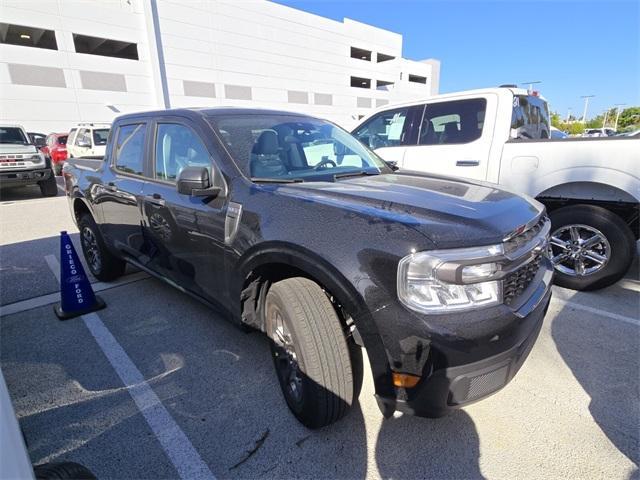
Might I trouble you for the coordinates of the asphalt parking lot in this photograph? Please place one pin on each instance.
(159, 386)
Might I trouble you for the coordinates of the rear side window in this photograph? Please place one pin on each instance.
(100, 136)
(386, 129)
(450, 123)
(62, 140)
(129, 151)
(177, 147)
(82, 136)
(530, 118)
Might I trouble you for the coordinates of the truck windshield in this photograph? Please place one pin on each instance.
(13, 135)
(530, 118)
(100, 136)
(291, 147)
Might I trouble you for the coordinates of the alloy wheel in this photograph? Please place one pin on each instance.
(579, 250)
(91, 249)
(286, 359)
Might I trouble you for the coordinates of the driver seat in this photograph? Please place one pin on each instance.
(265, 157)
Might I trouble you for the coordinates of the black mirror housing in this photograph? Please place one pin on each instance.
(195, 181)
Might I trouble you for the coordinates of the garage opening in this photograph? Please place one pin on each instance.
(361, 54)
(383, 84)
(417, 79)
(105, 47)
(383, 57)
(360, 82)
(27, 36)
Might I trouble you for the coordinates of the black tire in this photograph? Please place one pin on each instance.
(108, 267)
(323, 370)
(622, 245)
(49, 187)
(62, 471)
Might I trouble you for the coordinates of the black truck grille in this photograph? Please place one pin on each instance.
(516, 282)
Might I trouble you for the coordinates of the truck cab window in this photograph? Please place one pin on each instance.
(129, 149)
(455, 122)
(530, 118)
(177, 147)
(384, 130)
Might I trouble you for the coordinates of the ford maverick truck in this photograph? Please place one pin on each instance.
(294, 228)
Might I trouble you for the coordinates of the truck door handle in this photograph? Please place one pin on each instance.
(467, 163)
(155, 199)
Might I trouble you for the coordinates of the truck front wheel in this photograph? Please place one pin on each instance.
(590, 247)
(310, 352)
(49, 187)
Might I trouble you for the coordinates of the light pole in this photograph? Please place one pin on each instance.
(586, 105)
(531, 84)
(618, 105)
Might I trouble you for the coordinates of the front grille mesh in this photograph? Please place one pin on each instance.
(517, 281)
(518, 241)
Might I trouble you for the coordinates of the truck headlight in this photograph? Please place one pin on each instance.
(442, 281)
(37, 158)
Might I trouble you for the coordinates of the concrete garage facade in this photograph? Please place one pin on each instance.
(66, 61)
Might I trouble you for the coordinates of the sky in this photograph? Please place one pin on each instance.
(573, 47)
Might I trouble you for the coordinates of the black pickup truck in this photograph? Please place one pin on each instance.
(295, 229)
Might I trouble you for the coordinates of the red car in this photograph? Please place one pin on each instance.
(56, 149)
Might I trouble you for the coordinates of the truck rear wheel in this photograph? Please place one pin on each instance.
(49, 187)
(590, 247)
(104, 265)
(310, 352)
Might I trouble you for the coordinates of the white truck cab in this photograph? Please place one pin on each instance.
(88, 140)
(590, 186)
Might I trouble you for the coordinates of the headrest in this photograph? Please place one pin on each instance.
(267, 143)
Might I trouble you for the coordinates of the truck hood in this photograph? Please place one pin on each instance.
(17, 148)
(450, 212)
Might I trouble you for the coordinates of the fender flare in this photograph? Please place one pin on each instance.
(329, 277)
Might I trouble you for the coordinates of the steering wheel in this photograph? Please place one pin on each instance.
(324, 163)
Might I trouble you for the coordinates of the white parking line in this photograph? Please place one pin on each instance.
(597, 311)
(35, 302)
(54, 265)
(174, 442)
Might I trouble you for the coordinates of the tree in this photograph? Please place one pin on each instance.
(556, 121)
(629, 119)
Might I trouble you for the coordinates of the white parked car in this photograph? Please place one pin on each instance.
(599, 132)
(88, 140)
(590, 186)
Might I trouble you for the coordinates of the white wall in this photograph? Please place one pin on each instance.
(272, 49)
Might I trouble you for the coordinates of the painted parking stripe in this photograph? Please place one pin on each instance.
(597, 311)
(174, 442)
(35, 302)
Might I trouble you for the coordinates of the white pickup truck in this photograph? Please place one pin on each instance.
(21, 163)
(590, 186)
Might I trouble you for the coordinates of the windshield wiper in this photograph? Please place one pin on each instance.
(358, 173)
(276, 180)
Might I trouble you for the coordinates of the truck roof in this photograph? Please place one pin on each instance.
(463, 93)
(209, 112)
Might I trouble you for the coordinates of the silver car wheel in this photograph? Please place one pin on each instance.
(579, 250)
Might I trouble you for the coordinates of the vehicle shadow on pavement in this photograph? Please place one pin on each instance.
(15, 194)
(411, 447)
(611, 377)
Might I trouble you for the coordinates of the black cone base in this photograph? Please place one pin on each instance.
(62, 315)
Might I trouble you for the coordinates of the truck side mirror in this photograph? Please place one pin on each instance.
(195, 181)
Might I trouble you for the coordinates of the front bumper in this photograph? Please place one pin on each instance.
(23, 177)
(465, 361)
